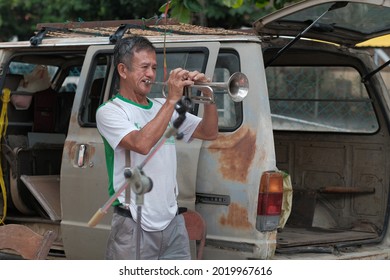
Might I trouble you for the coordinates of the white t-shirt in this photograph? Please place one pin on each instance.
(115, 119)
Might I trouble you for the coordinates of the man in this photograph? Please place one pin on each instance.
(133, 123)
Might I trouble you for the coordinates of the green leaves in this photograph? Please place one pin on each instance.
(235, 4)
(181, 13)
(193, 5)
(182, 9)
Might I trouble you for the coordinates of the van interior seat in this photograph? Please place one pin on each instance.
(12, 81)
(45, 102)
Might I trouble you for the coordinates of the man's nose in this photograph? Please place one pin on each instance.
(150, 71)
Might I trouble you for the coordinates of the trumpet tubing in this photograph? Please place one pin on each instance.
(237, 87)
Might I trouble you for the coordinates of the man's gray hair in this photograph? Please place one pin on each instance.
(126, 47)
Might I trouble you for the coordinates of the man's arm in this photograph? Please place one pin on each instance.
(208, 127)
(142, 141)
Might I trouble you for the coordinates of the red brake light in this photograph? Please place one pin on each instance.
(270, 199)
(269, 204)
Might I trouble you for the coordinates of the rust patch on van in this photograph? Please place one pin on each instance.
(237, 152)
(237, 217)
(92, 150)
(69, 148)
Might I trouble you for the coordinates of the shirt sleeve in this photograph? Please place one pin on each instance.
(188, 126)
(113, 123)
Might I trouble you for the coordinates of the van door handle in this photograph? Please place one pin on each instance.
(80, 159)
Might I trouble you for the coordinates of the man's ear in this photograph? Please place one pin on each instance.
(122, 70)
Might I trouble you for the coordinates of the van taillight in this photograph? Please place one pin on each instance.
(270, 199)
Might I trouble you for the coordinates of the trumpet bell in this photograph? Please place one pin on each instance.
(238, 86)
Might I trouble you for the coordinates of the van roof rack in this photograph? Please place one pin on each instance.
(115, 29)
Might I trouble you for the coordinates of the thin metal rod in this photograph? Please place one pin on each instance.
(335, 6)
(138, 233)
(155, 149)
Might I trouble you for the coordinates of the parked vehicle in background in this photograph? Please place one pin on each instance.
(300, 168)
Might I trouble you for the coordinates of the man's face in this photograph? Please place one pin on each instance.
(143, 67)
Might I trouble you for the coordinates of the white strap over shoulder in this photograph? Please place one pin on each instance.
(127, 159)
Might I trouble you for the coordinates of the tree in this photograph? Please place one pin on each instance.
(222, 13)
(19, 17)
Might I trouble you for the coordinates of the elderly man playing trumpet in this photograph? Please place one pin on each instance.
(133, 123)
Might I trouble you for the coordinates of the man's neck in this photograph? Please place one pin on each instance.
(136, 98)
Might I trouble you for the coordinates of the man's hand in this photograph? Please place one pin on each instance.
(179, 79)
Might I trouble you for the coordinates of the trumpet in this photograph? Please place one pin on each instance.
(237, 87)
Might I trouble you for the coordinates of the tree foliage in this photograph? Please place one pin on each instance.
(19, 17)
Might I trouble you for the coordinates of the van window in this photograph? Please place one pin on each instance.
(71, 80)
(326, 99)
(23, 68)
(229, 112)
(190, 59)
(95, 89)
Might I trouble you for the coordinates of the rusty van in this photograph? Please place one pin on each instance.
(301, 166)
